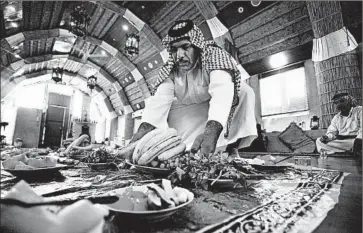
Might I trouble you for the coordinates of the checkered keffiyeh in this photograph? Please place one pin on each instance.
(212, 56)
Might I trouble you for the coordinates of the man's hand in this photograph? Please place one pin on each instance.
(143, 129)
(207, 141)
(325, 139)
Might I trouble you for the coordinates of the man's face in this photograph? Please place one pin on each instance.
(341, 105)
(184, 54)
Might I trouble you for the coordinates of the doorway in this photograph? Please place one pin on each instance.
(57, 119)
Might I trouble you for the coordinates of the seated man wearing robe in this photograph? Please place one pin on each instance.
(199, 93)
(345, 130)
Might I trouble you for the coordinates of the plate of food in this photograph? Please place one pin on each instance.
(24, 167)
(156, 152)
(149, 203)
(150, 169)
(100, 159)
(223, 183)
(266, 162)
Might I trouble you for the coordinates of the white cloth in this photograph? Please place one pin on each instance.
(335, 145)
(350, 125)
(187, 103)
(333, 44)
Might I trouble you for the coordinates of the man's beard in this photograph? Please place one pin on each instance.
(184, 65)
(343, 109)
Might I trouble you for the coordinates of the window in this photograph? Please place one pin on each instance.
(284, 93)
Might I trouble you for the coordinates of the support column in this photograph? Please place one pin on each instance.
(113, 130)
(334, 55)
(129, 126)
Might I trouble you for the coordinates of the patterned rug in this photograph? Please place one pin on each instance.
(301, 208)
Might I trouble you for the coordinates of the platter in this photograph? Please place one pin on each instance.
(150, 216)
(270, 167)
(224, 183)
(37, 172)
(151, 170)
(98, 166)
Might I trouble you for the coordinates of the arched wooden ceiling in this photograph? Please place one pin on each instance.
(43, 41)
(257, 33)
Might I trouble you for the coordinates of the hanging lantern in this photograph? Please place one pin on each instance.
(79, 21)
(132, 44)
(314, 122)
(57, 75)
(91, 82)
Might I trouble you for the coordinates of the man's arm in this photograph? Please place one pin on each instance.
(156, 111)
(332, 131)
(359, 135)
(221, 89)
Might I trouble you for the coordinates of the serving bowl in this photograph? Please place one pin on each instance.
(151, 170)
(149, 216)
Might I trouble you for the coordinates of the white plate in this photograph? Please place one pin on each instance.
(146, 216)
(151, 170)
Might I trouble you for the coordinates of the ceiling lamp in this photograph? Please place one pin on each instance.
(255, 3)
(57, 75)
(132, 44)
(79, 21)
(278, 60)
(91, 82)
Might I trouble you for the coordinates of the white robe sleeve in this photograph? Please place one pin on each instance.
(221, 89)
(157, 107)
(332, 130)
(360, 123)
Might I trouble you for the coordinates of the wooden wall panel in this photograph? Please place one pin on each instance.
(146, 50)
(47, 14)
(297, 28)
(279, 47)
(281, 26)
(162, 12)
(280, 23)
(165, 22)
(152, 74)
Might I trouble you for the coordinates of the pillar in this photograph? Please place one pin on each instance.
(129, 126)
(334, 56)
(113, 130)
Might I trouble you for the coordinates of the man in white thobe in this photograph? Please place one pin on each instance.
(198, 92)
(345, 130)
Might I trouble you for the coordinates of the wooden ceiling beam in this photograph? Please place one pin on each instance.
(206, 8)
(145, 30)
(5, 90)
(45, 58)
(56, 33)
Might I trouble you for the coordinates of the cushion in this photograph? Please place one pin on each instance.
(275, 144)
(296, 139)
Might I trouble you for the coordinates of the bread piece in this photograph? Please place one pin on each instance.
(22, 166)
(37, 163)
(11, 162)
(51, 161)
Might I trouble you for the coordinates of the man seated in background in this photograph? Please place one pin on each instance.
(199, 93)
(345, 130)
